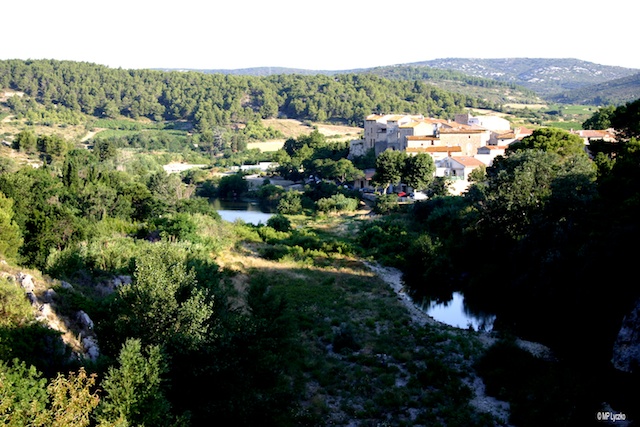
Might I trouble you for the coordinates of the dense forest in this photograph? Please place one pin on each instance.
(210, 100)
(613, 92)
(200, 321)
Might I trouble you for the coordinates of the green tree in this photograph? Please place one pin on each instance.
(290, 203)
(389, 168)
(521, 187)
(15, 309)
(10, 234)
(73, 399)
(164, 305)
(23, 395)
(551, 140)
(626, 120)
(345, 171)
(478, 174)
(134, 391)
(25, 141)
(105, 149)
(232, 186)
(279, 222)
(52, 147)
(601, 119)
(419, 171)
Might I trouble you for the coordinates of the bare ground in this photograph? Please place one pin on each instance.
(294, 128)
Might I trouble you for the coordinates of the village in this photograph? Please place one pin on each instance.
(457, 147)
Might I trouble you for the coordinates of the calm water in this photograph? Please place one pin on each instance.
(249, 212)
(455, 313)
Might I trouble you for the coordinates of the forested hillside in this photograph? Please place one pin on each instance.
(612, 92)
(542, 75)
(547, 78)
(210, 100)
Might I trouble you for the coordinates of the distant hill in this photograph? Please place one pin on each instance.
(544, 76)
(551, 79)
(259, 71)
(492, 90)
(613, 92)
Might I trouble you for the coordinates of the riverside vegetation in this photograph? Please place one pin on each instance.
(201, 321)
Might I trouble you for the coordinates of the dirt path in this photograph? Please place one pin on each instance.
(90, 135)
(393, 277)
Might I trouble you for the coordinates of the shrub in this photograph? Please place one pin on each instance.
(14, 307)
(290, 203)
(279, 223)
(385, 204)
(337, 203)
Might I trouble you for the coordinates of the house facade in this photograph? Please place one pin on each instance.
(491, 123)
(451, 144)
(405, 132)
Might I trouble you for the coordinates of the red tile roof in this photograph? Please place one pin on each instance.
(468, 161)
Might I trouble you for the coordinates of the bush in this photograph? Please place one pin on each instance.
(232, 186)
(290, 203)
(179, 226)
(15, 310)
(279, 223)
(337, 203)
(385, 204)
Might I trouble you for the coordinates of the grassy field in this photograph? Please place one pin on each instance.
(293, 128)
(362, 357)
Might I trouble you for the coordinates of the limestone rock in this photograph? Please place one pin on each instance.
(626, 349)
(85, 320)
(92, 351)
(26, 281)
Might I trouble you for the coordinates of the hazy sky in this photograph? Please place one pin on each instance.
(327, 34)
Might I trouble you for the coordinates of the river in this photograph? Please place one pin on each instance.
(246, 211)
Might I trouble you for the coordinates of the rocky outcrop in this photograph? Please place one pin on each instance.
(626, 349)
(78, 333)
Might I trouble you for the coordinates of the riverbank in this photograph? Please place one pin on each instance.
(481, 401)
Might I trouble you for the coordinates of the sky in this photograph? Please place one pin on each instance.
(321, 35)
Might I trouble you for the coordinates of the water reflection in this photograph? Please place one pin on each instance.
(454, 312)
(247, 211)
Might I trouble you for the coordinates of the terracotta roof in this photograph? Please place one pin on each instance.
(412, 124)
(422, 138)
(495, 147)
(523, 131)
(432, 121)
(467, 129)
(395, 117)
(435, 149)
(468, 161)
(590, 133)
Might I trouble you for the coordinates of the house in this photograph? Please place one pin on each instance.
(522, 132)
(457, 167)
(444, 140)
(404, 132)
(468, 138)
(492, 123)
(437, 152)
(589, 135)
(365, 183)
(487, 153)
(503, 137)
